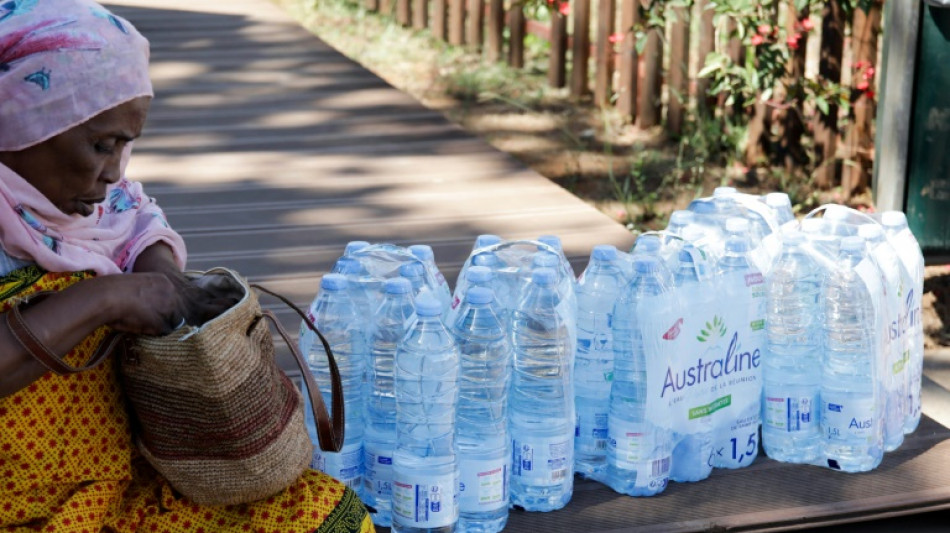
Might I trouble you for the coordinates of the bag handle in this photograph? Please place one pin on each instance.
(35, 347)
(330, 432)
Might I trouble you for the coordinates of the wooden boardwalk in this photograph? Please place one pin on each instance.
(269, 151)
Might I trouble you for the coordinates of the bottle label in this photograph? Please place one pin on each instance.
(541, 461)
(484, 485)
(737, 443)
(791, 414)
(378, 475)
(846, 418)
(426, 501)
(591, 431)
(345, 466)
(633, 445)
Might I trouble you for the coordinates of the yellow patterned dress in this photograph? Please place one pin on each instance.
(68, 465)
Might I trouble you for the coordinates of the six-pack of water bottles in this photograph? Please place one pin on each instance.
(737, 323)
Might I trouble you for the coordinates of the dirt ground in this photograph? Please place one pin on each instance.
(635, 176)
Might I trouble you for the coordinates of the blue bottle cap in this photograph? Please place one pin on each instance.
(604, 252)
(423, 252)
(480, 295)
(702, 207)
(544, 277)
(355, 246)
(647, 243)
(486, 239)
(426, 305)
(646, 264)
(737, 245)
(686, 255)
(544, 259)
(720, 192)
(333, 282)
(852, 243)
(397, 285)
(551, 240)
(411, 269)
(479, 274)
(486, 259)
(347, 265)
(681, 217)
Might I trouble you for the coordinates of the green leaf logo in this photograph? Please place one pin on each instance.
(712, 329)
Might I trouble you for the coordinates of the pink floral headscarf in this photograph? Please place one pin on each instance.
(62, 62)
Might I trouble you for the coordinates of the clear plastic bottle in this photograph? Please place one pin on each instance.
(851, 406)
(792, 360)
(692, 453)
(425, 464)
(541, 399)
(679, 219)
(743, 285)
(351, 267)
(335, 315)
(597, 291)
(912, 324)
(424, 253)
(555, 242)
(638, 452)
(483, 441)
(391, 322)
(893, 369)
(415, 273)
(781, 206)
(478, 276)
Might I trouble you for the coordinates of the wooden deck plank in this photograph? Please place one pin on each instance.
(270, 150)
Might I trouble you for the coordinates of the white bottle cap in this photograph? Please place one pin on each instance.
(894, 219)
(836, 212)
(852, 243)
(719, 192)
(871, 232)
(777, 199)
(737, 225)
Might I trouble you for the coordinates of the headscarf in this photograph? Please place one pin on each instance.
(62, 62)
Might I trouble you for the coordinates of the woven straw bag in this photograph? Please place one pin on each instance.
(216, 416)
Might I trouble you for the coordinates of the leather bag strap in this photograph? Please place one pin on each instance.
(35, 347)
(330, 431)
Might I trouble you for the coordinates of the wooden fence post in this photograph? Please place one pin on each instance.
(865, 28)
(736, 52)
(420, 14)
(677, 85)
(759, 144)
(829, 68)
(475, 36)
(604, 52)
(439, 17)
(403, 16)
(651, 110)
(496, 29)
(629, 60)
(516, 34)
(386, 7)
(580, 51)
(705, 104)
(791, 117)
(371, 5)
(456, 22)
(557, 63)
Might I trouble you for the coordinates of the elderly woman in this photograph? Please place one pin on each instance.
(74, 94)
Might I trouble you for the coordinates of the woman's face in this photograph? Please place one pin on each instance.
(74, 168)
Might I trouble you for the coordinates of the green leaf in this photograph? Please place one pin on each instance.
(822, 104)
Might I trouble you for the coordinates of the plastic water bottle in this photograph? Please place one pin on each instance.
(541, 399)
(415, 273)
(737, 439)
(390, 324)
(597, 291)
(425, 464)
(353, 270)
(727, 206)
(679, 219)
(483, 441)
(638, 452)
(692, 453)
(424, 253)
(335, 315)
(912, 332)
(781, 206)
(792, 360)
(477, 276)
(555, 242)
(893, 369)
(851, 418)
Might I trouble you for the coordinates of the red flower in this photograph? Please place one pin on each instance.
(764, 29)
(564, 8)
(757, 39)
(860, 65)
(862, 85)
(808, 24)
(615, 37)
(869, 93)
(792, 41)
(869, 73)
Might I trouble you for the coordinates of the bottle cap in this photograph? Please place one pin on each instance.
(836, 212)
(347, 265)
(544, 259)
(551, 240)
(792, 235)
(737, 225)
(604, 252)
(647, 243)
(894, 219)
(479, 274)
(852, 243)
(423, 252)
(702, 207)
(737, 245)
(427, 305)
(487, 259)
(871, 232)
(486, 239)
(544, 277)
(646, 264)
(333, 282)
(693, 233)
(686, 254)
(354, 246)
(480, 295)
(680, 217)
(777, 199)
(397, 285)
(720, 192)
(811, 225)
(412, 269)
